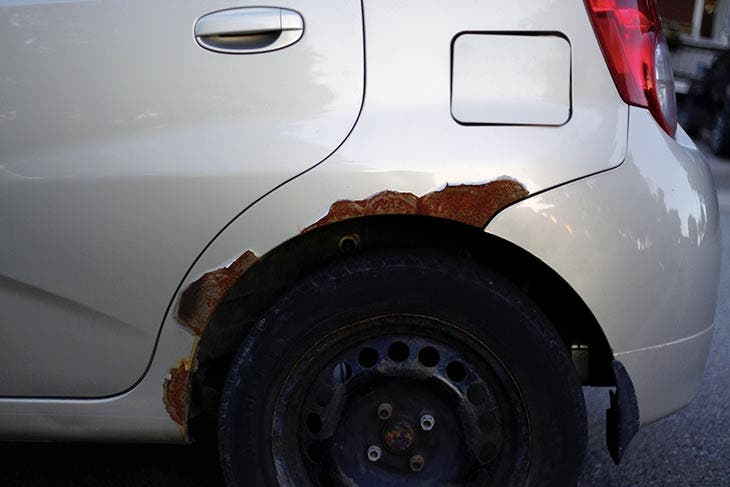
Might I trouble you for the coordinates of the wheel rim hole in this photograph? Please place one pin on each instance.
(429, 357)
(476, 394)
(323, 395)
(342, 373)
(398, 352)
(456, 371)
(368, 357)
(314, 423)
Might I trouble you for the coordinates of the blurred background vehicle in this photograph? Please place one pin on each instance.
(698, 32)
(707, 106)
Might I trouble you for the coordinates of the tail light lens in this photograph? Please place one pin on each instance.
(630, 35)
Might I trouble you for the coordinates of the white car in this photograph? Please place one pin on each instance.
(369, 243)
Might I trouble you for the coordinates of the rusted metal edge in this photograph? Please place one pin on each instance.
(200, 299)
(197, 304)
(472, 204)
(176, 393)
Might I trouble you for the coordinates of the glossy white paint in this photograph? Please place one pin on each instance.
(148, 153)
(667, 377)
(406, 139)
(641, 245)
(511, 79)
(124, 148)
(150, 160)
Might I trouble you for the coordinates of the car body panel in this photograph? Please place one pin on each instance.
(667, 377)
(125, 148)
(142, 161)
(405, 142)
(641, 245)
(663, 380)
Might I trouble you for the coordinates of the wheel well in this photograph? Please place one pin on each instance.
(283, 266)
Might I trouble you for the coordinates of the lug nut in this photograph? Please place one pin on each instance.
(385, 410)
(374, 453)
(427, 422)
(416, 463)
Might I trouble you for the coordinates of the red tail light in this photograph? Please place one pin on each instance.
(630, 34)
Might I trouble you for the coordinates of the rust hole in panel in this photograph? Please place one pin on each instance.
(473, 204)
(176, 393)
(201, 298)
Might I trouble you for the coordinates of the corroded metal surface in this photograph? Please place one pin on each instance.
(177, 393)
(466, 203)
(201, 298)
(197, 304)
(399, 436)
(470, 204)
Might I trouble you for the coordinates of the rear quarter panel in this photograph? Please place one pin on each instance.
(405, 141)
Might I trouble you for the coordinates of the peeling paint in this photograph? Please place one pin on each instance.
(177, 393)
(197, 304)
(201, 298)
(472, 204)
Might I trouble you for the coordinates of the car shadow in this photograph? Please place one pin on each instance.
(108, 465)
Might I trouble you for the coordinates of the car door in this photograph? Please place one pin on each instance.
(118, 119)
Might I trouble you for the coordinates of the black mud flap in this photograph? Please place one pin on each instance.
(622, 417)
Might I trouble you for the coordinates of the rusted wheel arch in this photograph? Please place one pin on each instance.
(265, 278)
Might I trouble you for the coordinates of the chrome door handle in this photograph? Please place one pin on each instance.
(249, 29)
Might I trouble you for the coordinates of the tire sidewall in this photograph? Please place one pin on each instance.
(454, 290)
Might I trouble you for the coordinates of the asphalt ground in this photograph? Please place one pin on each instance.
(690, 448)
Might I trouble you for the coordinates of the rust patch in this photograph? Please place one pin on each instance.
(473, 204)
(177, 392)
(196, 307)
(399, 437)
(201, 298)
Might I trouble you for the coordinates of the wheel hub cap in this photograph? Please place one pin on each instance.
(399, 436)
(398, 404)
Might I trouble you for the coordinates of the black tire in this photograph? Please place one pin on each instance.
(536, 427)
(720, 134)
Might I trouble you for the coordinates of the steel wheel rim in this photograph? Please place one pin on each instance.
(327, 423)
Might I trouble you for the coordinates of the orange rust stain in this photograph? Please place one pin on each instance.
(201, 298)
(177, 392)
(197, 304)
(470, 204)
(473, 204)
(399, 438)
